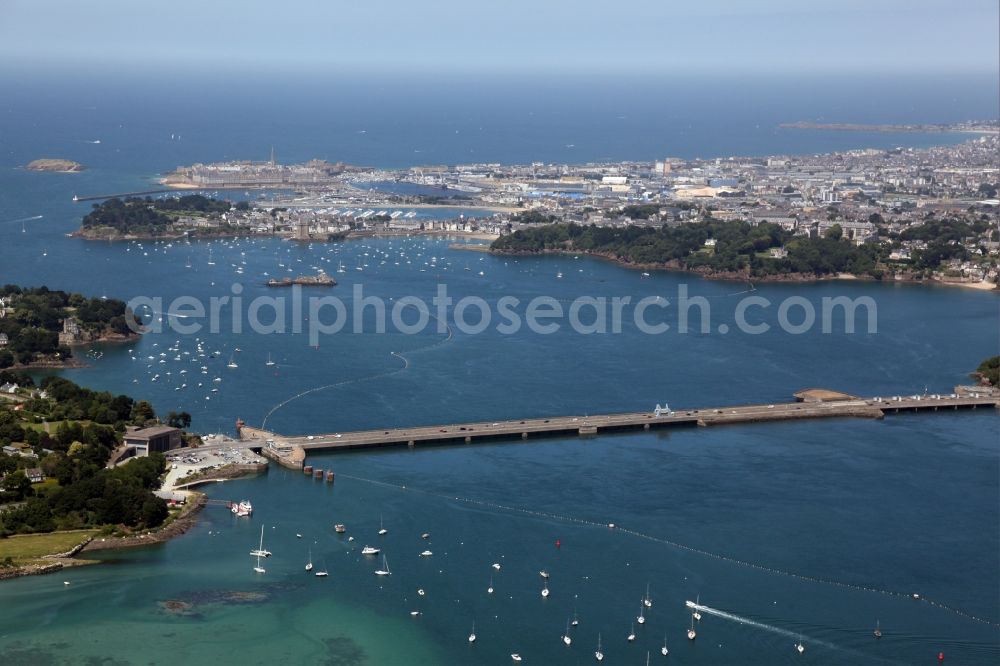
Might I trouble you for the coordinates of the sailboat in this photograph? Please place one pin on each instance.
(566, 637)
(340, 268)
(545, 589)
(472, 636)
(384, 571)
(210, 262)
(381, 529)
(631, 634)
(878, 630)
(598, 655)
(269, 362)
(692, 634)
(647, 601)
(322, 572)
(799, 646)
(697, 602)
(663, 650)
(489, 590)
(309, 564)
(642, 618)
(232, 362)
(259, 552)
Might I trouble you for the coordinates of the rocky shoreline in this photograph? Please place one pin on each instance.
(185, 521)
(73, 363)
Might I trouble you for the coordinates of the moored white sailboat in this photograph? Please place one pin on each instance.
(260, 549)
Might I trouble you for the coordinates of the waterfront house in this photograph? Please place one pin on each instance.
(34, 474)
(8, 388)
(4, 340)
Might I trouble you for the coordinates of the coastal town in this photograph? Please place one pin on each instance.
(867, 197)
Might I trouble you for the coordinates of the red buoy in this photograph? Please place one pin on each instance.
(558, 543)
(940, 656)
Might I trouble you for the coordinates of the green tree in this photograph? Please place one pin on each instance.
(836, 232)
(990, 370)
(142, 413)
(179, 420)
(18, 485)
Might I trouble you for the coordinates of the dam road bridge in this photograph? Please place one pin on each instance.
(810, 404)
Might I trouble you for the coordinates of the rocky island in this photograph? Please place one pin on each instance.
(54, 165)
(320, 280)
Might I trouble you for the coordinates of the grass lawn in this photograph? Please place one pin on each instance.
(25, 548)
(52, 425)
(46, 485)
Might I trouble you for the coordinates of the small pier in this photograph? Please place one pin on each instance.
(811, 404)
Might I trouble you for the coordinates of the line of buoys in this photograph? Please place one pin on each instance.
(685, 547)
(406, 364)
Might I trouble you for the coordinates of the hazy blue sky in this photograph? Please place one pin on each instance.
(550, 35)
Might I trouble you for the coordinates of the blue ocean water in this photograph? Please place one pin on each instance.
(797, 529)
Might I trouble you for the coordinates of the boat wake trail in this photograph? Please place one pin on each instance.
(754, 623)
(24, 219)
(381, 375)
(502, 508)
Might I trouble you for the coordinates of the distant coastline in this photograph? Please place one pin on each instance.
(734, 276)
(973, 128)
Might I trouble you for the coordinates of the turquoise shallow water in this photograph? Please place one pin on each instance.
(862, 504)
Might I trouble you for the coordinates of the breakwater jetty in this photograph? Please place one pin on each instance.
(120, 195)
